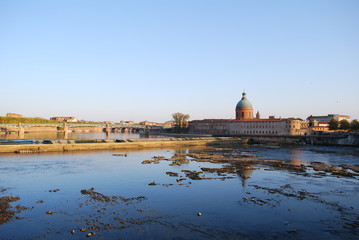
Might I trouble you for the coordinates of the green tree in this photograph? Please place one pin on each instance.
(344, 124)
(181, 121)
(354, 126)
(333, 124)
(13, 120)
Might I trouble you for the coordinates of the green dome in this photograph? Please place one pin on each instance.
(244, 103)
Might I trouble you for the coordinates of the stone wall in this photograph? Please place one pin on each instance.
(70, 145)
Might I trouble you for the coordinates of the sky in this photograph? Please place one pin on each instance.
(114, 60)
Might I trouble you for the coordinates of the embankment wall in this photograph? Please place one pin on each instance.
(332, 140)
(65, 145)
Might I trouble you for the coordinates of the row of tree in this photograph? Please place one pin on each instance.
(344, 125)
(16, 120)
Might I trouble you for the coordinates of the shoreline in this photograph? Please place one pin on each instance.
(70, 145)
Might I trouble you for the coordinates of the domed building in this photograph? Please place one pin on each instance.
(246, 125)
(244, 108)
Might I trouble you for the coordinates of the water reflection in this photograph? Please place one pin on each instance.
(68, 135)
(244, 173)
(181, 151)
(296, 157)
(21, 135)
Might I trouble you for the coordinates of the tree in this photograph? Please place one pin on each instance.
(333, 124)
(354, 126)
(344, 124)
(181, 121)
(17, 120)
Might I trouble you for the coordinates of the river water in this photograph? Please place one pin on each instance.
(69, 135)
(119, 197)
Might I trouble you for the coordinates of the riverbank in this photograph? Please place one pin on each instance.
(334, 139)
(182, 135)
(111, 144)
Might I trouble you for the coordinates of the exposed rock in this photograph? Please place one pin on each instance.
(220, 171)
(172, 174)
(179, 159)
(96, 195)
(354, 168)
(6, 215)
(55, 190)
(90, 234)
(120, 154)
(319, 166)
(194, 175)
(154, 160)
(180, 179)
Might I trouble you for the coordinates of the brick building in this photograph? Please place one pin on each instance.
(246, 124)
(14, 115)
(64, 119)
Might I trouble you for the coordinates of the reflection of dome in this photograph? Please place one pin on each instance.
(244, 173)
(244, 108)
(244, 103)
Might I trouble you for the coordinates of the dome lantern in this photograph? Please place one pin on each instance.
(244, 108)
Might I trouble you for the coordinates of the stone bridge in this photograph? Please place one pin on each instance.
(66, 127)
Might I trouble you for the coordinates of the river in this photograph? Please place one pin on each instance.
(69, 135)
(181, 193)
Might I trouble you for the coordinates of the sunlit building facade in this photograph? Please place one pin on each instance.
(246, 124)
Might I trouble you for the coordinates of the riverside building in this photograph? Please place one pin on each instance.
(246, 124)
(64, 119)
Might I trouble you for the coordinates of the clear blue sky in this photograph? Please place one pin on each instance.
(144, 60)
